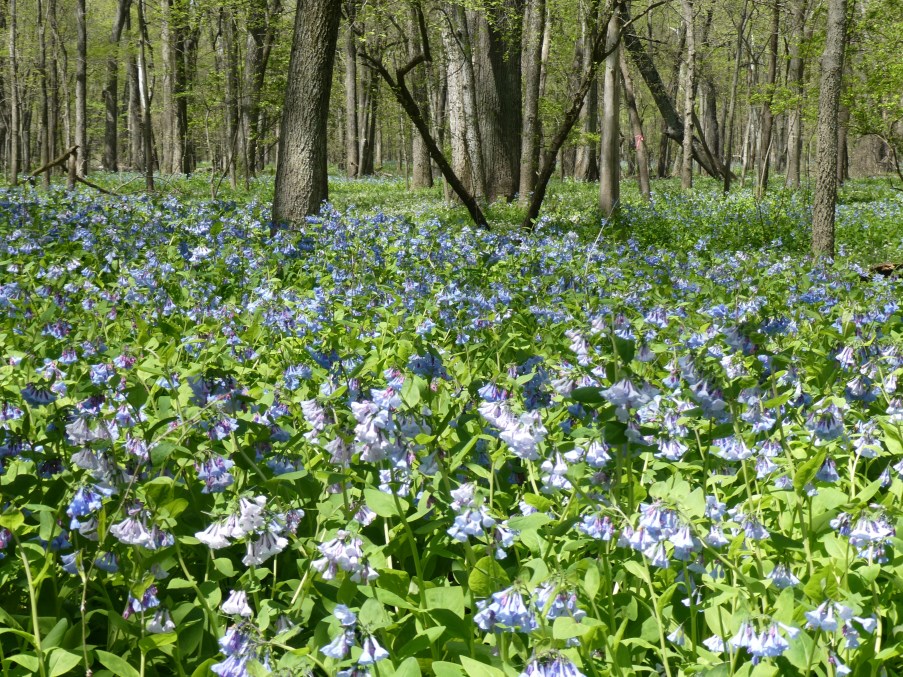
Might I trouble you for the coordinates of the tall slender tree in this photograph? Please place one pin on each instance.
(610, 164)
(81, 87)
(825, 198)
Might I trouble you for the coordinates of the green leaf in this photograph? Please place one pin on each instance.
(592, 581)
(27, 661)
(474, 668)
(451, 598)
(12, 520)
(118, 665)
(487, 577)
(373, 615)
(408, 668)
(446, 669)
(807, 470)
(60, 661)
(383, 504)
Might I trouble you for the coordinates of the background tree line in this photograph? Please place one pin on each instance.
(489, 96)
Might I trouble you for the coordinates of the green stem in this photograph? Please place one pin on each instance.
(34, 607)
(658, 618)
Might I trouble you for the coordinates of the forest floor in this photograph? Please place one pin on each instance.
(386, 439)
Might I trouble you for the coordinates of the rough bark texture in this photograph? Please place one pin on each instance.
(825, 197)
(636, 128)
(610, 164)
(498, 97)
(534, 28)
(301, 180)
(81, 85)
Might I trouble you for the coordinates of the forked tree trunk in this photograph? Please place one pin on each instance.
(301, 179)
(610, 164)
(825, 198)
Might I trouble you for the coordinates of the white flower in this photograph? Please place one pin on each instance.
(237, 604)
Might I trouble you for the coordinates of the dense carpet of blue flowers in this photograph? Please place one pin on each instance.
(377, 446)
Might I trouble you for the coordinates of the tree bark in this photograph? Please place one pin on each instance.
(14, 97)
(674, 127)
(420, 163)
(795, 77)
(498, 96)
(81, 86)
(111, 91)
(610, 165)
(586, 163)
(45, 95)
(686, 166)
(352, 138)
(532, 64)
(766, 136)
(301, 179)
(825, 198)
(636, 127)
(728, 128)
(146, 129)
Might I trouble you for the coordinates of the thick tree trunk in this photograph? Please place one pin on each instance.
(686, 166)
(301, 179)
(498, 96)
(81, 88)
(825, 198)
(636, 127)
(610, 165)
(534, 29)
(766, 137)
(111, 92)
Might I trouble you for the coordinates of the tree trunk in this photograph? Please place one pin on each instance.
(610, 165)
(13, 131)
(111, 92)
(136, 136)
(146, 129)
(686, 167)
(81, 85)
(766, 137)
(535, 27)
(636, 127)
(419, 159)
(301, 179)
(352, 138)
(45, 96)
(825, 198)
(843, 151)
(586, 165)
(728, 127)
(664, 150)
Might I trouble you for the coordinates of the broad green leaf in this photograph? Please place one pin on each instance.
(117, 664)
